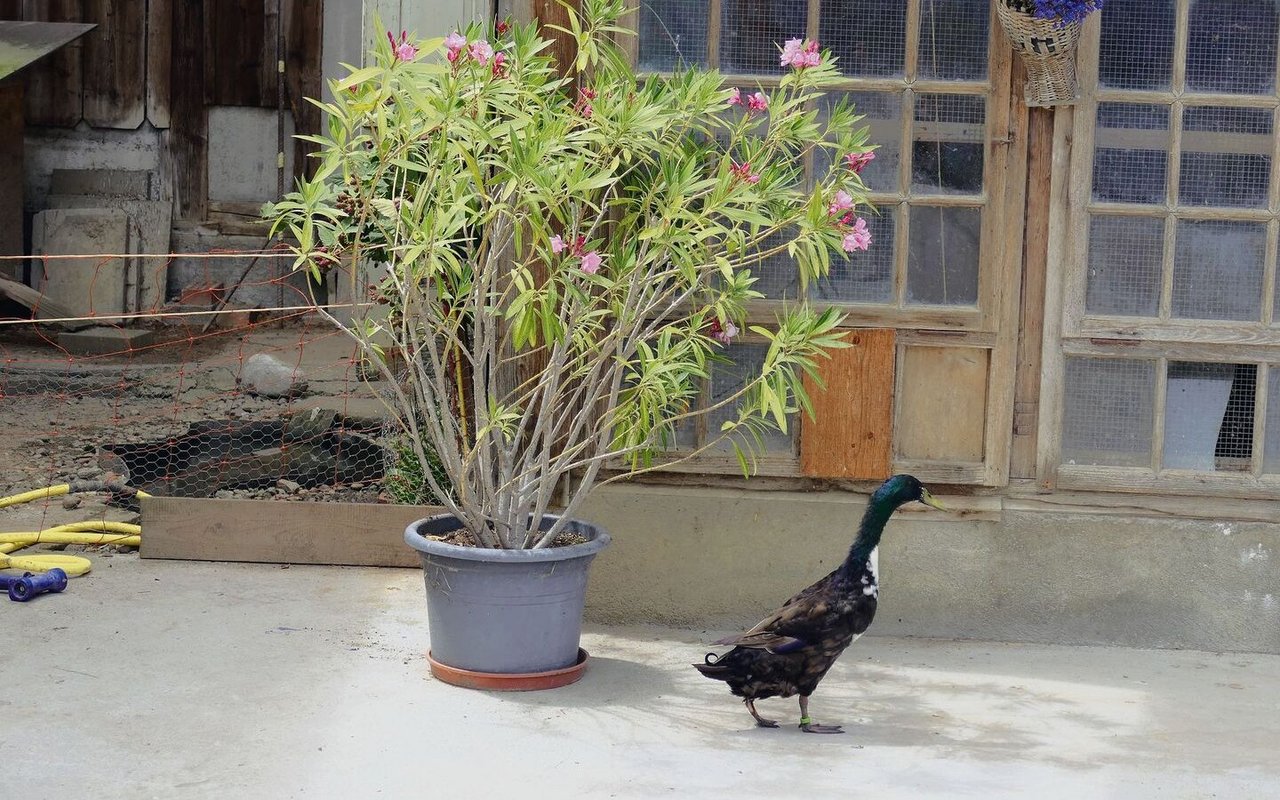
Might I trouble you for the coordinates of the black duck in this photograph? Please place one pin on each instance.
(790, 650)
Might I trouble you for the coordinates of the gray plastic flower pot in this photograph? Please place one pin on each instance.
(504, 611)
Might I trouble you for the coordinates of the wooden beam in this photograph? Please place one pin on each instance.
(279, 532)
(1035, 257)
(237, 52)
(159, 60)
(556, 12)
(11, 157)
(190, 120)
(851, 432)
(304, 21)
(55, 85)
(115, 68)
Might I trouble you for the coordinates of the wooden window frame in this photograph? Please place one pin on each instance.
(1074, 332)
(993, 324)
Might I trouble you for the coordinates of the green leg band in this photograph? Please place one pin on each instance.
(806, 721)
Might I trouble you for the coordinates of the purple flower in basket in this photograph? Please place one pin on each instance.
(1065, 12)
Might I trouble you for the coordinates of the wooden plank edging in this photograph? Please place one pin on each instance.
(279, 532)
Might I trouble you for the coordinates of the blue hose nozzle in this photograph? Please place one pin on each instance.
(28, 586)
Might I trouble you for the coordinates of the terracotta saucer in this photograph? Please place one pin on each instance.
(507, 681)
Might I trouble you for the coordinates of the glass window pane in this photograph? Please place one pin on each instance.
(942, 262)
(1125, 258)
(1271, 450)
(882, 115)
(672, 35)
(949, 135)
(1217, 270)
(748, 360)
(1226, 156)
(1132, 155)
(863, 277)
(1137, 45)
(953, 39)
(867, 36)
(1108, 412)
(1232, 46)
(1209, 416)
(752, 33)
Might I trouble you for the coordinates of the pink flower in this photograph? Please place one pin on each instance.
(557, 245)
(743, 173)
(583, 106)
(735, 97)
(790, 50)
(454, 42)
(859, 161)
(480, 52)
(402, 49)
(798, 54)
(722, 333)
(500, 65)
(591, 263)
(843, 202)
(757, 102)
(810, 58)
(857, 239)
(502, 27)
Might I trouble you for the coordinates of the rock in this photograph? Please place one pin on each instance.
(88, 472)
(270, 377)
(287, 486)
(70, 502)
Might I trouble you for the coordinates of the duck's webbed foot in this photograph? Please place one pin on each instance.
(760, 721)
(809, 726)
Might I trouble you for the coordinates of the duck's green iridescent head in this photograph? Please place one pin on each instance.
(903, 489)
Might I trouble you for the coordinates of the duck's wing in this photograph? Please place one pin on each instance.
(794, 626)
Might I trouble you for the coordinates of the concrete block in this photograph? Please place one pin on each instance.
(258, 288)
(242, 154)
(102, 183)
(104, 340)
(151, 223)
(88, 286)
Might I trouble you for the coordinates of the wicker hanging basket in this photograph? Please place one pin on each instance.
(1048, 50)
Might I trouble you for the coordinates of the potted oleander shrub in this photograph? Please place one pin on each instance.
(1045, 34)
(563, 251)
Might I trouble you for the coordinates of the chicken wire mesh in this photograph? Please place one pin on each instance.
(1125, 265)
(1218, 269)
(1137, 45)
(751, 31)
(1209, 411)
(1226, 156)
(870, 39)
(953, 39)
(1108, 412)
(672, 35)
(1131, 153)
(1231, 46)
(218, 390)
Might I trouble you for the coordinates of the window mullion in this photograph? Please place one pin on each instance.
(1261, 389)
(1157, 414)
(912, 56)
(713, 34)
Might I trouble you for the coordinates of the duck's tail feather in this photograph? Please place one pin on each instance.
(712, 668)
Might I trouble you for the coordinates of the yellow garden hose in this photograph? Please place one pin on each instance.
(89, 532)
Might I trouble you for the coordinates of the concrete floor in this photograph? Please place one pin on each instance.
(190, 680)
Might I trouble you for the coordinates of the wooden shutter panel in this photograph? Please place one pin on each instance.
(851, 433)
